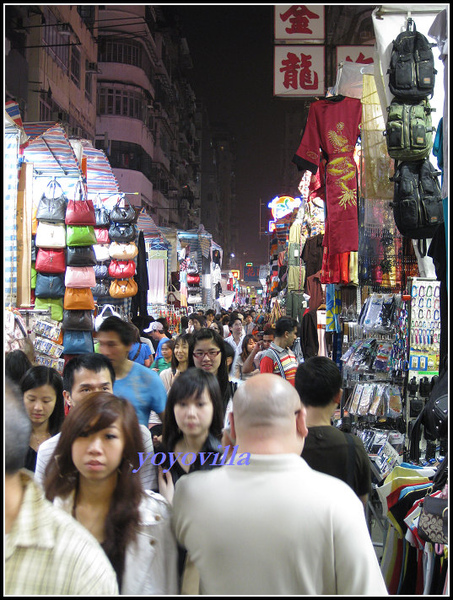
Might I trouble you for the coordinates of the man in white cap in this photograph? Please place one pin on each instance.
(156, 329)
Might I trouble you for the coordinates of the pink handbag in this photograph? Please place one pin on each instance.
(80, 277)
(102, 235)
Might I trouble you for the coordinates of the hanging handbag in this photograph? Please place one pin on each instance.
(78, 342)
(80, 256)
(50, 261)
(121, 269)
(122, 233)
(193, 279)
(33, 276)
(123, 288)
(33, 250)
(101, 214)
(78, 299)
(55, 305)
(100, 318)
(50, 235)
(79, 320)
(101, 271)
(52, 207)
(102, 235)
(80, 211)
(80, 235)
(80, 277)
(122, 215)
(102, 252)
(101, 289)
(34, 220)
(49, 286)
(123, 251)
(433, 520)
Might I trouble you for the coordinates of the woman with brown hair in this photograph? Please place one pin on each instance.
(94, 477)
(248, 343)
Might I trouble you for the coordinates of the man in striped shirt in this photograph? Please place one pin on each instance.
(279, 358)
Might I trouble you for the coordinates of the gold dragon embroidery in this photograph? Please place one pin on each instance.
(342, 168)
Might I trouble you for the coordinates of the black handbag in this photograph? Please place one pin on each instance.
(79, 320)
(80, 256)
(122, 233)
(101, 271)
(52, 207)
(49, 285)
(122, 215)
(101, 213)
(101, 289)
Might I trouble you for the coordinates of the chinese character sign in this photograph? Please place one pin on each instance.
(298, 70)
(299, 22)
(251, 273)
(362, 55)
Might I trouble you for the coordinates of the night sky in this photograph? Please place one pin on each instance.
(232, 53)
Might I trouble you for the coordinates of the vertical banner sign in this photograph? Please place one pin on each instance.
(355, 54)
(298, 71)
(299, 23)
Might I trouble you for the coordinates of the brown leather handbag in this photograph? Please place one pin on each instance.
(78, 299)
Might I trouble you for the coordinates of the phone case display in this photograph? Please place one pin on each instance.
(378, 399)
(384, 449)
(48, 350)
(424, 327)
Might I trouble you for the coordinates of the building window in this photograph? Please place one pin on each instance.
(89, 86)
(126, 155)
(75, 66)
(125, 103)
(56, 45)
(127, 52)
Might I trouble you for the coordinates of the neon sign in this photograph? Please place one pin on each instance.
(281, 206)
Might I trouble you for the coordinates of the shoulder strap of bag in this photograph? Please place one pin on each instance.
(138, 351)
(279, 363)
(351, 460)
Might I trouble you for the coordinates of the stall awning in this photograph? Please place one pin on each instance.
(100, 177)
(146, 224)
(50, 151)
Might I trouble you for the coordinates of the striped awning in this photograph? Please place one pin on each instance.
(50, 151)
(146, 224)
(100, 177)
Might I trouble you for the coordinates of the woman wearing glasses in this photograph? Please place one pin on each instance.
(208, 353)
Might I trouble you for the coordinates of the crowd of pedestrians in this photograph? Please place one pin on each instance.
(203, 462)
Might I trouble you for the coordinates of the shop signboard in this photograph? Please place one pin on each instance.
(251, 273)
(300, 22)
(299, 71)
(363, 55)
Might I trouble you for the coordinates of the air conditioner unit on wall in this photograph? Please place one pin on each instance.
(91, 67)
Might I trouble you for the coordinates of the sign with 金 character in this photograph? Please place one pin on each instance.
(300, 22)
(236, 273)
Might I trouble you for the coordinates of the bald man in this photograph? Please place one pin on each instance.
(272, 525)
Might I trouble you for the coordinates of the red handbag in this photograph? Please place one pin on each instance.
(121, 269)
(80, 211)
(191, 279)
(102, 235)
(50, 261)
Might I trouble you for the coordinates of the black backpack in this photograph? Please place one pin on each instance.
(411, 73)
(409, 130)
(417, 199)
(433, 417)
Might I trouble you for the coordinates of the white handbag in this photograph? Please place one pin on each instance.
(101, 252)
(123, 251)
(50, 235)
(100, 318)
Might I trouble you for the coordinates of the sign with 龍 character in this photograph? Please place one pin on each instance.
(299, 71)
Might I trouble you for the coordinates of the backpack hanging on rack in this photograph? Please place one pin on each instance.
(417, 199)
(411, 71)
